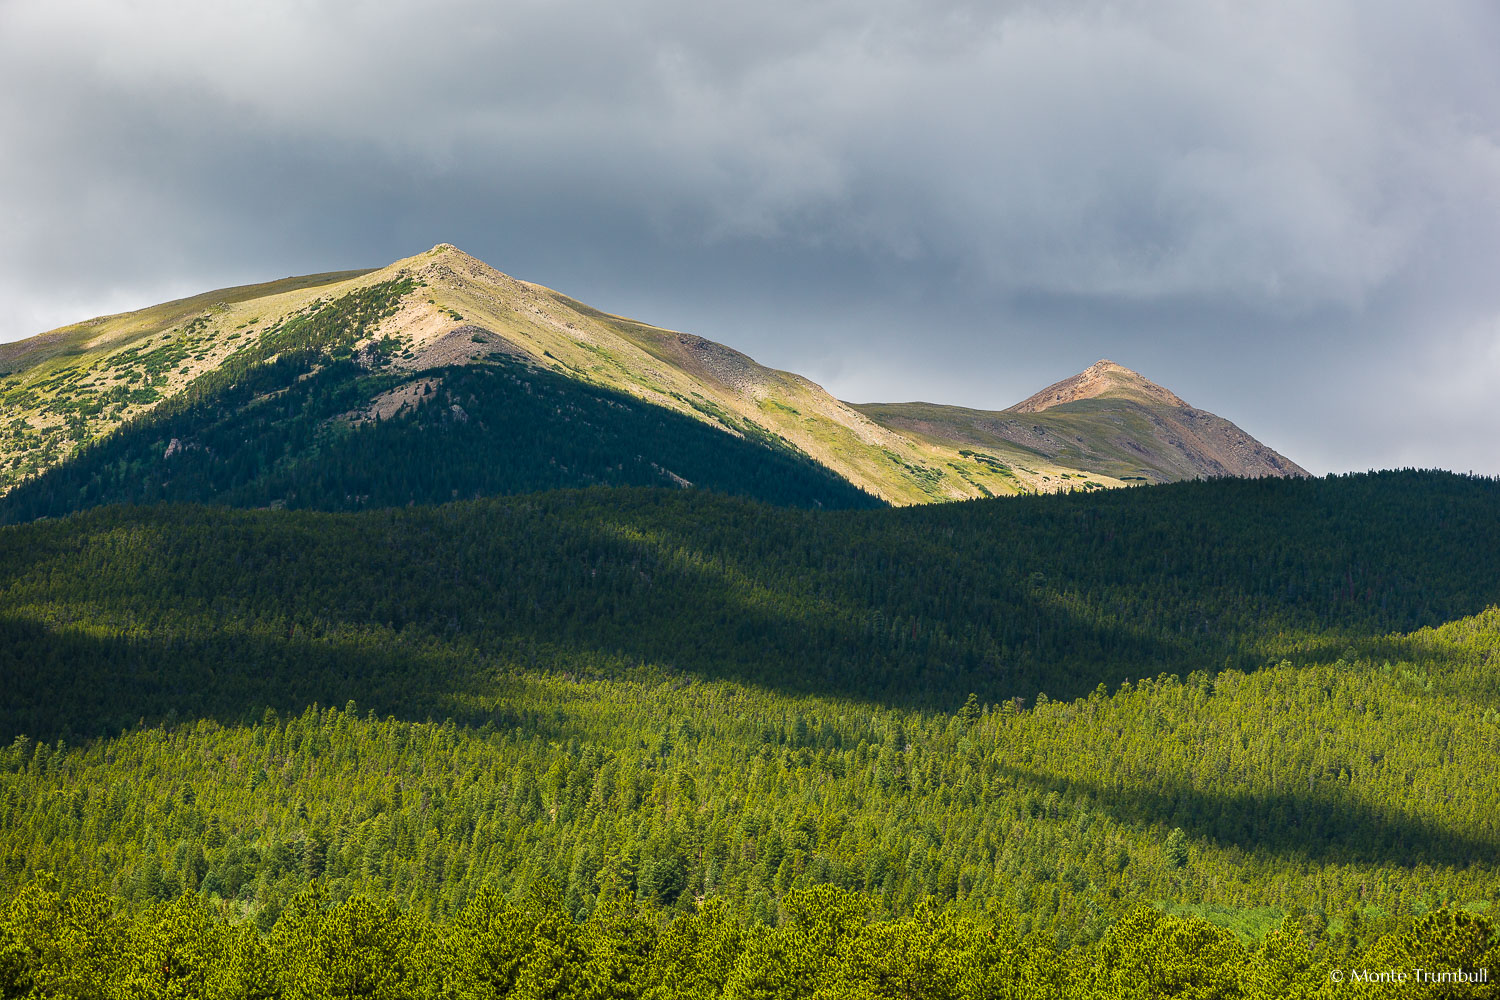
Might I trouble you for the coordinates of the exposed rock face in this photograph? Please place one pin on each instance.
(460, 346)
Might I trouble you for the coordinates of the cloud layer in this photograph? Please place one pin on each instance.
(1289, 213)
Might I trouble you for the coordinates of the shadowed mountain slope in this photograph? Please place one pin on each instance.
(342, 438)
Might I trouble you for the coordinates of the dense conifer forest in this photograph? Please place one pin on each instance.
(1209, 739)
(126, 613)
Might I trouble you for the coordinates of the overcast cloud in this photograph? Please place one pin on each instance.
(1288, 213)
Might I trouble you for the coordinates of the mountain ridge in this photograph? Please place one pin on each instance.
(83, 382)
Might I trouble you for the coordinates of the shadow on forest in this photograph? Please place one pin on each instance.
(213, 620)
(86, 681)
(75, 686)
(425, 612)
(1315, 825)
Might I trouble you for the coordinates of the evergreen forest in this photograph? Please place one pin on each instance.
(1232, 738)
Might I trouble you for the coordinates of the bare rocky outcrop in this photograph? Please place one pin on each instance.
(724, 365)
(461, 345)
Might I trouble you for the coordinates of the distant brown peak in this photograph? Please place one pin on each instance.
(1102, 378)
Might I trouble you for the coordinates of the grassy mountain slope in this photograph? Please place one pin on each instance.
(80, 343)
(689, 695)
(73, 386)
(80, 382)
(1107, 419)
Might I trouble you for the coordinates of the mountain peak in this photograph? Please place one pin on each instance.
(419, 320)
(1102, 378)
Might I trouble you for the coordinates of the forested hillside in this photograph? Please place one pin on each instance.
(1366, 782)
(671, 715)
(276, 440)
(298, 421)
(125, 613)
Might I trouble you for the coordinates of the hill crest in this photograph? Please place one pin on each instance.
(1102, 378)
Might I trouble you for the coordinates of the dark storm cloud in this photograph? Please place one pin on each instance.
(1286, 212)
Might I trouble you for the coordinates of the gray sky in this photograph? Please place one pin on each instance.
(1288, 213)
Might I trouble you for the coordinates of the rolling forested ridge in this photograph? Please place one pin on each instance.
(1209, 739)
